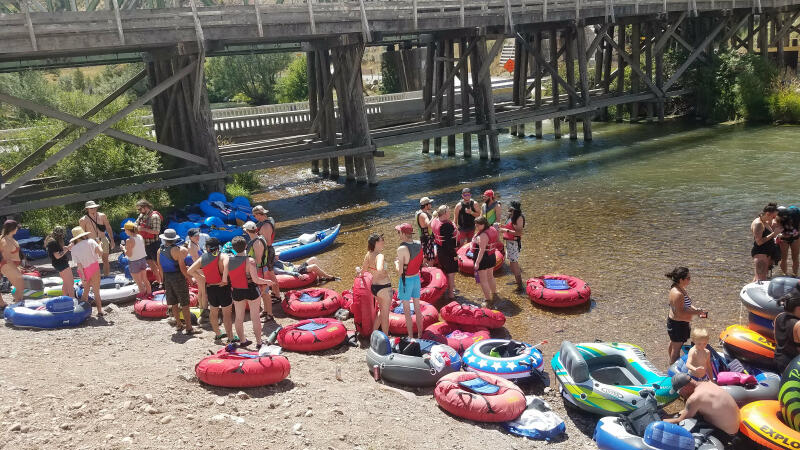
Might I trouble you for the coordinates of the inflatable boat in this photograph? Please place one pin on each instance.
(558, 291)
(611, 433)
(312, 335)
(312, 302)
(746, 345)
(472, 315)
(480, 397)
(241, 369)
(607, 378)
(114, 289)
(410, 362)
(761, 297)
(58, 312)
(505, 358)
(306, 245)
(459, 337)
(766, 387)
(762, 423)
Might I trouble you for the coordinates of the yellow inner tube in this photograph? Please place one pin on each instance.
(762, 424)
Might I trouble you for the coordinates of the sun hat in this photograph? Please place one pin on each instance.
(258, 209)
(192, 232)
(78, 233)
(169, 235)
(405, 228)
(91, 204)
(249, 226)
(129, 226)
(425, 201)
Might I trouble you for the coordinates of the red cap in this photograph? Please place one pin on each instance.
(489, 193)
(405, 228)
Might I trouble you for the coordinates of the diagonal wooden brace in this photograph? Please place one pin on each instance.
(662, 41)
(462, 59)
(700, 48)
(544, 64)
(634, 65)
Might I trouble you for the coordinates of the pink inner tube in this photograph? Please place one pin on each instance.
(472, 315)
(242, 369)
(506, 404)
(289, 282)
(467, 266)
(397, 321)
(155, 306)
(347, 299)
(312, 335)
(459, 337)
(578, 292)
(329, 301)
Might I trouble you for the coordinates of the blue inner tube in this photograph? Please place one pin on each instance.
(57, 312)
(477, 359)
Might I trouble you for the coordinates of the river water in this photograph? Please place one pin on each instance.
(618, 212)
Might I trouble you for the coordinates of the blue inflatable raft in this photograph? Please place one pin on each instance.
(58, 312)
(306, 245)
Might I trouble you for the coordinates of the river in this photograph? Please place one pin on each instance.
(618, 212)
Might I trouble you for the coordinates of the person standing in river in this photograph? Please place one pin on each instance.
(484, 261)
(464, 215)
(96, 223)
(444, 234)
(512, 235)
(765, 251)
(381, 284)
(408, 264)
(681, 312)
(423, 218)
(789, 220)
(490, 207)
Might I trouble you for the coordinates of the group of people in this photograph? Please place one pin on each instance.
(440, 239)
(776, 233)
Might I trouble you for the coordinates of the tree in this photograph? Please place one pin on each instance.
(78, 80)
(293, 86)
(390, 82)
(252, 75)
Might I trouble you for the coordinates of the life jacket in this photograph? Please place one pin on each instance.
(494, 239)
(168, 265)
(210, 265)
(147, 235)
(272, 223)
(511, 237)
(466, 221)
(237, 271)
(189, 260)
(422, 231)
(491, 214)
(415, 261)
(250, 251)
(436, 226)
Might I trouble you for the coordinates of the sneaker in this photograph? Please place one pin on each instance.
(246, 343)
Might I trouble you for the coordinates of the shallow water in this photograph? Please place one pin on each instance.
(618, 212)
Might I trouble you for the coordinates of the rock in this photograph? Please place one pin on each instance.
(127, 404)
(65, 426)
(25, 429)
(309, 413)
(547, 389)
(148, 398)
(109, 437)
(111, 308)
(149, 409)
(218, 417)
(287, 414)
(273, 405)
(297, 428)
(343, 437)
(76, 405)
(108, 417)
(220, 401)
(166, 419)
(241, 395)
(190, 417)
(15, 427)
(188, 376)
(127, 440)
(237, 419)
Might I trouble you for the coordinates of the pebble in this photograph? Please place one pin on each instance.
(148, 398)
(127, 404)
(166, 419)
(547, 389)
(127, 440)
(111, 308)
(15, 427)
(309, 413)
(343, 437)
(241, 395)
(297, 428)
(76, 405)
(25, 429)
(220, 401)
(287, 414)
(190, 417)
(150, 409)
(189, 377)
(107, 417)
(65, 426)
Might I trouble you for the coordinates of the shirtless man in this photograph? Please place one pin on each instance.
(709, 400)
(96, 223)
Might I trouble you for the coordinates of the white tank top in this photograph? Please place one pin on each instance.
(138, 248)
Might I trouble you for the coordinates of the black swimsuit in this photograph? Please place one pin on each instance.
(767, 248)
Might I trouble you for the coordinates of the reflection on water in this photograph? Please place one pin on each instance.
(619, 212)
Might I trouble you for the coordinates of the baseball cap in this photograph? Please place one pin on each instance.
(249, 226)
(679, 380)
(425, 201)
(488, 193)
(405, 228)
(466, 191)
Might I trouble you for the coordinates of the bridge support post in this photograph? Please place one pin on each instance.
(620, 71)
(485, 85)
(537, 82)
(520, 88)
(607, 59)
(182, 114)
(659, 56)
(553, 82)
(569, 60)
(583, 74)
(635, 45)
(451, 96)
(438, 82)
(463, 75)
(311, 73)
(428, 87)
(480, 101)
(648, 60)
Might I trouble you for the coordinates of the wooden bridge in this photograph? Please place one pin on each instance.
(553, 38)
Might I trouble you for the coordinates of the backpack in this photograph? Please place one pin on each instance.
(161, 228)
(363, 308)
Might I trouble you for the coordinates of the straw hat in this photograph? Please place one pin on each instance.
(78, 233)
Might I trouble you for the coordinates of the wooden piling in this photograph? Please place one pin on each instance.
(311, 72)
(620, 70)
(583, 71)
(451, 96)
(427, 88)
(569, 60)
(635, 57)
(438, 82)
(480, 101)
(466, 139)
(553, 82)
(537, 83)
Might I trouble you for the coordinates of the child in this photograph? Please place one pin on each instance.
(209, 267)
(243, 277)
(698, 362)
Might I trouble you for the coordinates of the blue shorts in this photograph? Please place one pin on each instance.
(410, 289)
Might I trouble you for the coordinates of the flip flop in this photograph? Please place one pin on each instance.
(192, 331)
(268, 318)
(220, 336)
(245, 343)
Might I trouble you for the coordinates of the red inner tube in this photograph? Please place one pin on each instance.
(347, 299)
(578, 292)
(241, 369)
(433, 284)
(467, 266)
(397, 321)
(155, 306)
(328, 334)
(472, 315)
(505, 405)
(459, 337)
(329, 302)
(290, 282)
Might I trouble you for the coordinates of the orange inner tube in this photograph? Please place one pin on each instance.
(762, 424)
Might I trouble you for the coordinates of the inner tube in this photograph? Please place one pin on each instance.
(116, 288)
(767, 389)
(241, 369)
(746, 345)
(418, 362)
(347, 299)
(397, 317)
(612, 434)
(290, 282)
(459, 337)
(467, 266)
(487, 356)
(472, 315)
(433, 284)
(558, 291)
(58, 312)
(155, 306)
(762, 423)
(761, 325)
(761, 297)
(479, 397)
(312, 335)
(789, 395)
(312, 302)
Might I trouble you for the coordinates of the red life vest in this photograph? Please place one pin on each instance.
(416, 258)
(494, 238)
(507, 235)
(436, 225)
(145, 234)
(210, 265)
(237, 272)
(475, 246)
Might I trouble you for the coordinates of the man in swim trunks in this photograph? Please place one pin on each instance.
(149, 222)
(172, 259)
(408, 263)
(96, 223)
(464, 215)
(709, 400)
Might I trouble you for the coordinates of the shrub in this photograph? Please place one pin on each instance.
(293, 86)
(784, 102)
(390, 81)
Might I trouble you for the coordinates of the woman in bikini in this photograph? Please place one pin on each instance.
(59, 257)
(789, 220)
(195, 252)
(85, 252)
(765, 251)
(381, 285)
(681, 312)
(9, 261)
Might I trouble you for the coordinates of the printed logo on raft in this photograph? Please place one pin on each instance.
(610, 392)
(795, 374)
(777, 437)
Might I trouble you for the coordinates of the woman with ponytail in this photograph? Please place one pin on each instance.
(681, 311)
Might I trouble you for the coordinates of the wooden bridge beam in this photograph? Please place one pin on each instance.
(554, 55)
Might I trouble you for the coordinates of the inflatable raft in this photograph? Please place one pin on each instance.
(312, 335)
(480, 397)
(761, 297)
(607, 378)
(558, 291)
(155, 306)
(504, 358)
(472, 315)
(241, 369)
(397, 317)
(766, 388)
(763, 424)
(611, 433)
(114, 289)
(58, 312)
(306, 245)
(467, 266)
(310, 303)
(287, 282)
(746, 345)
(410, 362)
(433, 283)
(459, 337)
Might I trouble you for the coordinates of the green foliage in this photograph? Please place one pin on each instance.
(784, 101)
(390, 80)
(755, 77)
(78, 80)
(235, 190)
(29, 85)
(255, 76)
(247, 180)
(293, 86)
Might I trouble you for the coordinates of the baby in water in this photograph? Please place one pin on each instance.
(698, 362)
